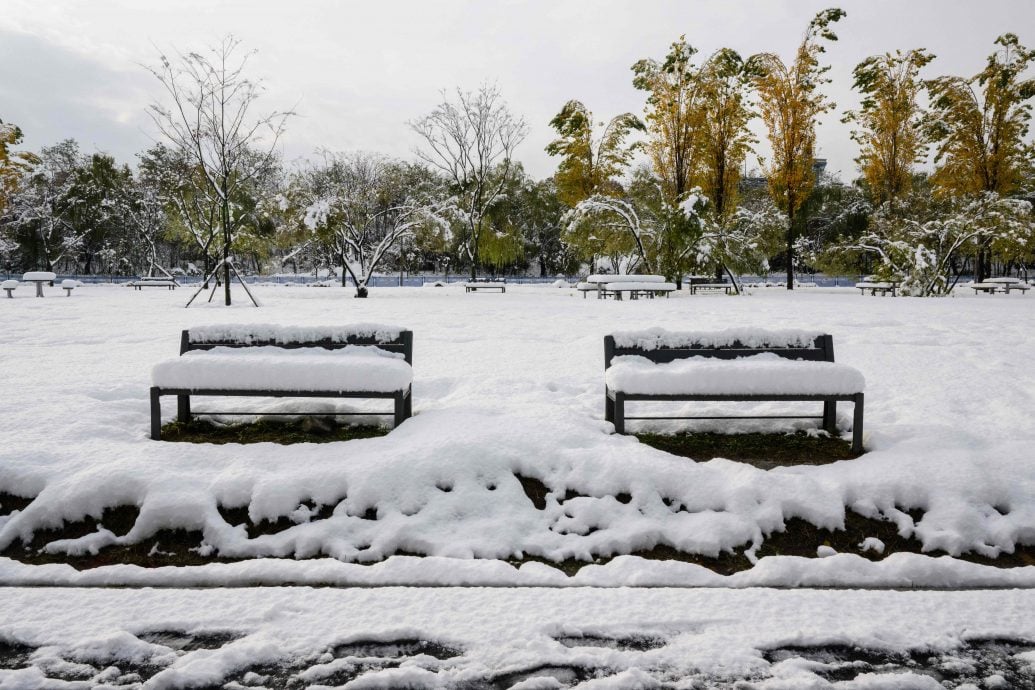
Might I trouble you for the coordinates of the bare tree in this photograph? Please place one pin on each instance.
(472, 140)
(211, 123)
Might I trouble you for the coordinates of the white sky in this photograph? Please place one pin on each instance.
(357, 72)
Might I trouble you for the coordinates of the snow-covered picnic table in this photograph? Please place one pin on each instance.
(636, 289)
(599, 282)
(39, 277)
(1002, 284)
(361, 361)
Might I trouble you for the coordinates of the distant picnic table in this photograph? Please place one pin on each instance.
(1003, 284)
(39, 277)
(636, 285)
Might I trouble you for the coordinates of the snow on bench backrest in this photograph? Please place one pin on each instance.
(391, 338)
(660, 345)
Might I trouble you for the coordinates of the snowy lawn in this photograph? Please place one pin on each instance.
(488, 639)
(509, 393)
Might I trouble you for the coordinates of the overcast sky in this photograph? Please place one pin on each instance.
(356, 72)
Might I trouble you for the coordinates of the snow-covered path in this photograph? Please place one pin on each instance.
(489, 638)
(512, 384)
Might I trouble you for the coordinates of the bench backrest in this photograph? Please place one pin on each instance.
(401, 343)
(821, 350)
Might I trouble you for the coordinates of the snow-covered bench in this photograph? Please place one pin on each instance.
(635, 289)
(139, 283)
(68, 285)
(733, 365)
(710, 287)
(476, 285)
(874, 287)
(359, 361)
(10, 286)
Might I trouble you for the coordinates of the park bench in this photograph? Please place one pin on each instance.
(696, 287)
(739, 366)
(874, 287)
(69, 285)
(139, 283)
(359, 361)
(475, 286)
(10, 286)
(635, 290)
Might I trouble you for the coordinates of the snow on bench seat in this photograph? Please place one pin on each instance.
(271, 368)
(761, 374)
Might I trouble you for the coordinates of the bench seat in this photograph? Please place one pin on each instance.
(271, 368)
(761, 374)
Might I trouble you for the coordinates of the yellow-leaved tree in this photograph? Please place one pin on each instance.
(789, 101)
(889, 122)
(13, 164)
(592, 165)
(980, 125)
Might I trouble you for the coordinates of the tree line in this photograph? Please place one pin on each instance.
(664, 191)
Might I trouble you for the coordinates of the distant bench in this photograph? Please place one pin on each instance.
(139, 283)
(994, 285)
(360, 361)
(753, 366)
(883, 288)
(475, 286)
(710, 287)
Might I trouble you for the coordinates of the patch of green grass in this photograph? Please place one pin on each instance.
(761, 450)
(308, 430)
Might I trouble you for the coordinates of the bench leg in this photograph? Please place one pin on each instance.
(857, 425)
(619, 413)
(400, 408)
(609, 407)
(830, 416)
(156, 414)
(183, 408)
(408, 407)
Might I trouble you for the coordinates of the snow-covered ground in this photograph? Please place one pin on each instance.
(482, 639)
(512, 384)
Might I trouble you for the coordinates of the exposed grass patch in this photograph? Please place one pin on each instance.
(764, 451)
(307, 430)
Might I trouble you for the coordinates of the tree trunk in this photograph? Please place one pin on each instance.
(790, 246)
(226, 251)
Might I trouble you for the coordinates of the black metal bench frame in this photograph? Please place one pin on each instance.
(710, 287)
(822, 351)
(403, 408)
(502, 287)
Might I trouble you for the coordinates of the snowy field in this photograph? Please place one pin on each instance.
(484, 639)
(509, 385)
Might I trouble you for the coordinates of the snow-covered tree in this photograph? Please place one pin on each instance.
(926, 246)
(471, 141)
(363, 207)
(210, 122)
